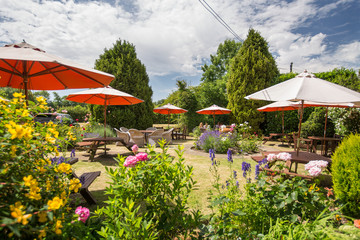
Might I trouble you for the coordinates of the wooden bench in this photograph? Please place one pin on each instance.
(86, 179)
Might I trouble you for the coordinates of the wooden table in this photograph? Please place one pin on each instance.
(96, 143)
(324, 141)
(302, 158)
(288, 137)
(146, 134)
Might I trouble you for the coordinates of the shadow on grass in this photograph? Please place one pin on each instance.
(99, 195)
(108, 159)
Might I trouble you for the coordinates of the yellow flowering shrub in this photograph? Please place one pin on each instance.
(34, 188)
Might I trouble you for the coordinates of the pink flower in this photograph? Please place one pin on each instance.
(77, 120)
(64, 111)
(135, 148)
(130, 161)
(83, 213)
(142, 156)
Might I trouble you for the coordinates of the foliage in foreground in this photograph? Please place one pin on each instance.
(148, 197)
(34, 186)
(293, 205)
(346, 174)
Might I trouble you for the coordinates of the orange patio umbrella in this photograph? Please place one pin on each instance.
(169, 109)
(280, 106)
(104, 96)
(214, 110)
(24, 66)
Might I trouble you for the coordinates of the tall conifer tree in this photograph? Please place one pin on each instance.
(130, 77)
(251, 70)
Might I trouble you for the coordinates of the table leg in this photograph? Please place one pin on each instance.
(93, 150)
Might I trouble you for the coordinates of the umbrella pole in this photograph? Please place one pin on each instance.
(105, 124)
(214, 122)
(326, 116)
(282, 139)
(168, 120)
(25, 77)
(298, 138)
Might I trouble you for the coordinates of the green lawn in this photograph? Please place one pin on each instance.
(199, 160)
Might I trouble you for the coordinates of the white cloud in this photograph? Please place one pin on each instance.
(173, 37)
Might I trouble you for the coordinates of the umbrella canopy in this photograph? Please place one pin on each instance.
(26, 67)
(214, 110)
(104, 96)
(169, 109)
(306, 87)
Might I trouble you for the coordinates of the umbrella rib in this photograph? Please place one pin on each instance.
(16, 72)
(80, 73)
(49, 70)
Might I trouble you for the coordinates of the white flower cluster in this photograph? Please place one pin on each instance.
(284, 156)
(315, 167)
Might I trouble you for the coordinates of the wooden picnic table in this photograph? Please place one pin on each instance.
(96, 142)
(288, 137)
(333, 142)
(300, 158)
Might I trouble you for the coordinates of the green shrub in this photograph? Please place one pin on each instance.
(315, 124)
(76, 112)
(148, 199)
(324, 227)
(346, 174)
(216, 140)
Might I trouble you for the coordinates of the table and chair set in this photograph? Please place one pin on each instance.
(326, 145)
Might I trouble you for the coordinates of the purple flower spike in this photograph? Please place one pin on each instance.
(229, 154)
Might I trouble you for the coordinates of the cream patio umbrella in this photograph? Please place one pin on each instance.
(24, 66)
(306, 87)
(169, 109)
(104, 96)
(214, 110)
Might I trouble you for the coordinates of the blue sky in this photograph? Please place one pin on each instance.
(174, 38)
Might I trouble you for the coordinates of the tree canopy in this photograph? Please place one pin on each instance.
(130, 77)
(252, 69)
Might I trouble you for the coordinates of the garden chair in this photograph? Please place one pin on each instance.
(304, 143)
(151, 128)
(124, 135)
(137, 137)
(180, 134)
(124, 129)
(154, 137)
(167, 135)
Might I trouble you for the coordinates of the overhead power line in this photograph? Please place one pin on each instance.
(220, 20)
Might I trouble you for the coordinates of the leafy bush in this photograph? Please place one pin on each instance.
(346, 121)
(34, 189)
(78, 113)
(148, 197)
(250, 213)
(315, 124)
(325, 226)
(216, 140)
(346, 174)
